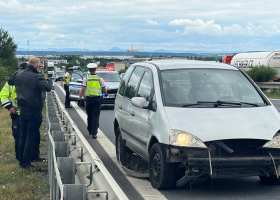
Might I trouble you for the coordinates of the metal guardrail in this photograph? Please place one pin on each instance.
(268, 85)
(64, 140)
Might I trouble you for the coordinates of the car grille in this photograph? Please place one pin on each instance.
(112, 91)
(240, 147)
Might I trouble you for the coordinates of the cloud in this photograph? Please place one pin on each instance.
(151, 22)
(45, 26)
(212, 28)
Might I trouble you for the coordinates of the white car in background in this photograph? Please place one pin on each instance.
(112, 81)
(75, 86)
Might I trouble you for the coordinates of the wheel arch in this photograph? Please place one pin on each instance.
(116, 125)
(153, 140)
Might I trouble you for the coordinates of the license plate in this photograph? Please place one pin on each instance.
(110, 96)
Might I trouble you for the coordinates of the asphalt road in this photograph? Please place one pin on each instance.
(220, 189)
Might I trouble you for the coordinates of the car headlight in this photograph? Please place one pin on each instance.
(274, 143)
(181, 138)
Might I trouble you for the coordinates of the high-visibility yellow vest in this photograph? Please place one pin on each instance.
(9, 96)
(93, 87)
(67, 80)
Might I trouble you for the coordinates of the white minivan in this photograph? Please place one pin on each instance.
(182, 121)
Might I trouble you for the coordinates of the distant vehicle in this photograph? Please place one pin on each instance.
(51, 70)
(247, 60)
(180, 122)
(227, 59)
(112, 81)
(75, 86)
(59, 76)
(115, 66)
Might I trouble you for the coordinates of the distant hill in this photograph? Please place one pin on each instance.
(161, 50)
(116, 49)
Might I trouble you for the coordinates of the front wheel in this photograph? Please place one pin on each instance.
(162, 175)
(271, 180)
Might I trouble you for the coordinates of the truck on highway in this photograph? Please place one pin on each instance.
(227, 59)
(51, 70)
(115, 66)
(248, 60)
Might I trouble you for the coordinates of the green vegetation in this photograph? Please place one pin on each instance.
(8, 60)
(262, 73)
(273, 94)
(15, 182)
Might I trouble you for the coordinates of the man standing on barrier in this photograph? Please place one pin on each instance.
(29, 87)
(93, 86)
(9, 101)
(66, 81)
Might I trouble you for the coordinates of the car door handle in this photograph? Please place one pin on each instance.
(120, 107)
(132, 113)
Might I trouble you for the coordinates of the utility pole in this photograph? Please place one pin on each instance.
(132, 51)
(27, 50)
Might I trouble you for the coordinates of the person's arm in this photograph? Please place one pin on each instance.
(11, 80)
(103, 86)
(44, 84)
(6, 102)
(104, 90)
(82, 92)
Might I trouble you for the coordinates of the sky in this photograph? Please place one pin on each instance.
(172, 25)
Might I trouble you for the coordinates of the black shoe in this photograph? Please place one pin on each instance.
(94, 136)
(39, 159)
(29, 166)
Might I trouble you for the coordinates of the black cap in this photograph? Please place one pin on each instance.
(23, 66)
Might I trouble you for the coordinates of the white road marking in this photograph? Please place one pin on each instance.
(143, 186)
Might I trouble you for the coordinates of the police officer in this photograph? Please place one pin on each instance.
(93, 87)
(66, 81)
(9, 101)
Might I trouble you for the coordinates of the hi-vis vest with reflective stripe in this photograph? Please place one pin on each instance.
(67, 80)
(9, 96)
(93, 87)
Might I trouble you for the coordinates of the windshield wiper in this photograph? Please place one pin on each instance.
(191, 104)
(219, 102)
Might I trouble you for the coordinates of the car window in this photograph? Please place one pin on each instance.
(124, 80)
(145, 87)
(75, 77)
(189, 86)
(132, 84)
(109, 77)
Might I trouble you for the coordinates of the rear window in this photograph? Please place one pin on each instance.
(109, 77)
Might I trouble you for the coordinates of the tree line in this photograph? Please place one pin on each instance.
(8, 60)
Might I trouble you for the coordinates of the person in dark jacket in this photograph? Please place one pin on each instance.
(29, 88)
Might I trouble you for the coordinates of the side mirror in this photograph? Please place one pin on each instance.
(139, 102)
(79, 80)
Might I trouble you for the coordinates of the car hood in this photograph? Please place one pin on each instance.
(112, 85)
(209, 124)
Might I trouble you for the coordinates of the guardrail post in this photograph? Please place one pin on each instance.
(62, 149)
(67, 170)
(58, 136)
(74, 192)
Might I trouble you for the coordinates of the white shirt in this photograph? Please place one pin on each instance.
(102, 83)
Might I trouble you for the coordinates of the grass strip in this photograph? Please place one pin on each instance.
(15, 182)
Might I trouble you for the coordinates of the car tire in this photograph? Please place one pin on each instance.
(121, 149)
(162, 175)
(271, 180)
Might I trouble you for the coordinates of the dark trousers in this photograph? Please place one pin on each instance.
(67, 98)
(93, 107)
(30, 123)
(16, 132)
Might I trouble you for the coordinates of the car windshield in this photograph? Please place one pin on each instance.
(50, 68)
(60, 73)
(187, 87)
(75, 77)
(109, 77)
